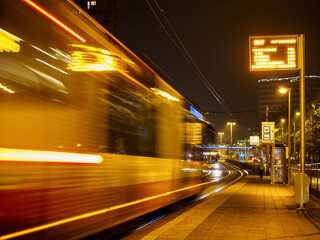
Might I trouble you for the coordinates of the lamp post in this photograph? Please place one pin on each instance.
(231, 124)
(285, 90)
(221, 134)
(294, 137)
(282, 122)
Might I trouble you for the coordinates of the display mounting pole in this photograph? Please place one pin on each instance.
(289, 137)
(302, 112)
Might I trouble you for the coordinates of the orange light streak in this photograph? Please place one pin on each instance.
(20, 155)
(94, 213)
(54, 19)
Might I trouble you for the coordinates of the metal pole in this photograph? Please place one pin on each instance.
(273, 162)
(294, 139)
(231, 133)
(289, 140)
(302, 111)
(268, 147)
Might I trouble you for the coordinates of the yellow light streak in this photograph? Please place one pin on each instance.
(8, 42)
(61, 53)
(58, 69)
(40, 50)
(54, 19)
(6, 89)
(94, 213)
(20, 155)
(164, 94)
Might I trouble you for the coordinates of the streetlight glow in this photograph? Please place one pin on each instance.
(221, 134)
(283, 120)
(231, 124)
(282, 90)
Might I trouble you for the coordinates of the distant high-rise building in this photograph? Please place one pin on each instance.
(103, 11)
(269, 93)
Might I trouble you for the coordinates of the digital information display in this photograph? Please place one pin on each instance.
(273, 52)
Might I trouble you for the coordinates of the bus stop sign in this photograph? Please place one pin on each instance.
(267, 132)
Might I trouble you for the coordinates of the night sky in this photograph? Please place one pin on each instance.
(216, 34)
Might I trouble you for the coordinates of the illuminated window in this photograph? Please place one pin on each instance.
(93, 3)
(88, 5)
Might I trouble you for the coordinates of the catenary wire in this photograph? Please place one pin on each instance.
(187, 56)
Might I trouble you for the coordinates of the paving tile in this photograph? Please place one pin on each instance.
(251, 209)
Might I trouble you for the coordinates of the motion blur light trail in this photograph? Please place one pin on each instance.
(105, 210)
(18, 155)
(54, 19)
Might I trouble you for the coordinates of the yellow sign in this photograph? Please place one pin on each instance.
(273, 52)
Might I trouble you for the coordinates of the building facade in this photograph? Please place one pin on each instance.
(103, 11)
(278, 103)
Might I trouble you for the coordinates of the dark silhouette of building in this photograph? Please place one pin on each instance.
(277, 102)
(103, 11)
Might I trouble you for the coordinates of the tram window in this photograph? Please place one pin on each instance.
(131, 121)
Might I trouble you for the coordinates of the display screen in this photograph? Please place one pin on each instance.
(273, 53)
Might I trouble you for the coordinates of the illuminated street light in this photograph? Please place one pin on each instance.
(285, 90)
(231, 124)
(221, 134)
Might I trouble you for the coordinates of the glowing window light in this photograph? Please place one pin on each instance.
(40, 50)
(94, 59)
(164, 94)
(6, 89)
(19, 155)
(54, 19)
(83, 61)
(52, 66)
(94, 213)
(8, 42)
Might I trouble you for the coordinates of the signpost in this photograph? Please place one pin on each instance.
(268, 137)
(284, 52)
(267, 132)
(254, 140)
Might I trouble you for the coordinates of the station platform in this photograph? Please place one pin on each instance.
(250, 209)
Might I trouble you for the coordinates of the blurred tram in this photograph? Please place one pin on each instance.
(91, 137)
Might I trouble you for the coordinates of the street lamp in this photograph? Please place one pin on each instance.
(294, 136)
(221, 134)
(285, 90)
(231, 124)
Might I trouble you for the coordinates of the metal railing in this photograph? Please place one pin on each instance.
(313, 171)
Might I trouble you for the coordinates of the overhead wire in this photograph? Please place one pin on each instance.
(178, 43)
